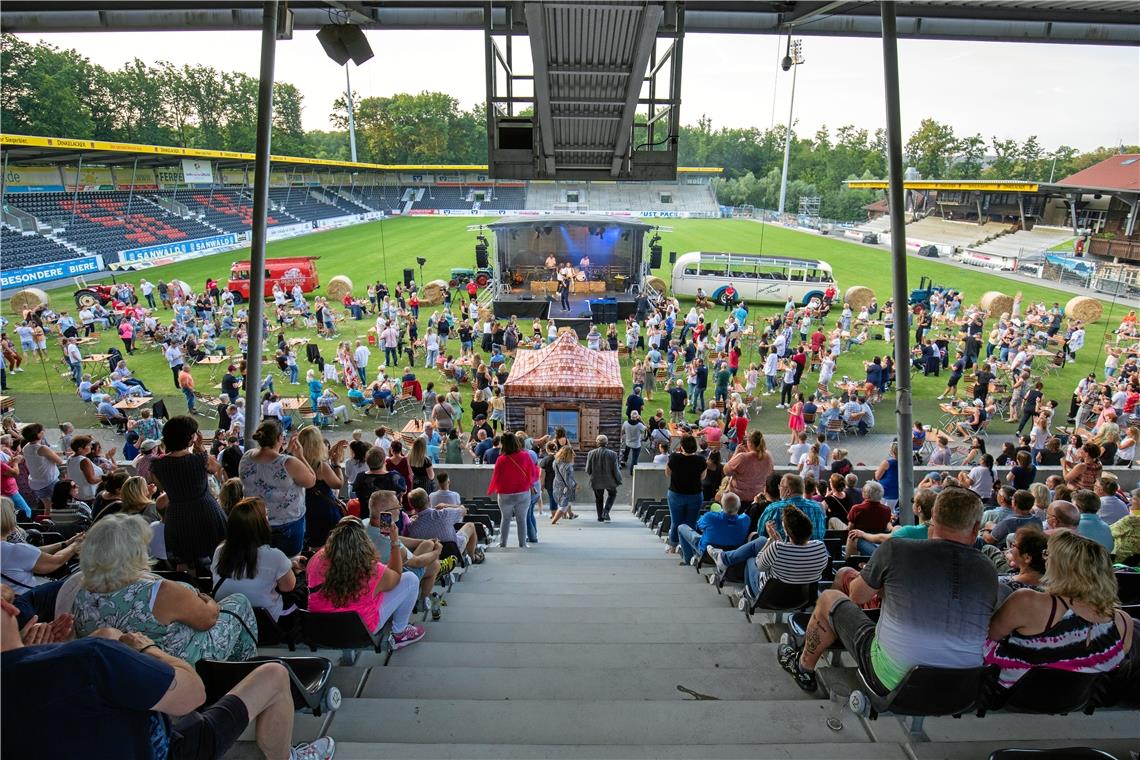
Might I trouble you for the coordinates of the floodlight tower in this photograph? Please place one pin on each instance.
(792, 60)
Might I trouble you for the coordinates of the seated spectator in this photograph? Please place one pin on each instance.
(22, 562)
(750, 467)
(1072, 624)
(346, 575)
(1022, 515)
(439, 523)
(377, 477)
(937, 600)
(1026, 557)
(770, 494)
(794, 559)
(246, 564)
(837, 502)
(1126, 532)
(136, 699)
(869, 516)
(1112, 507)
(724, 529)
(118, 590)
(1091, 525)
(1004, 508)
(922, 506)
(421, 558)
(791, 494)
(442, 496)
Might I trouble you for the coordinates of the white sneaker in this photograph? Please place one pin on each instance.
(321, 749)
(718, 558)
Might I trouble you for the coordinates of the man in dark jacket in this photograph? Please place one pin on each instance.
(605, 476)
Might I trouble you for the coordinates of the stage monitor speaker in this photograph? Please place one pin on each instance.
(409, 276)
(481, 260)
(672, 257)
(654, 257)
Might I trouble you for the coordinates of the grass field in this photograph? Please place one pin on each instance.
(381, 250)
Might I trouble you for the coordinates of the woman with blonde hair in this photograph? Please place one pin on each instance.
(322, 508)
(118, 590)
(423, 474)
(749, 468)
(1074, 623)
(346, 575)
(138, 499)
(1041, 497)
(565, 486)
(230, 494)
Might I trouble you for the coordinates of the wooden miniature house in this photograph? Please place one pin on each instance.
(564, 384)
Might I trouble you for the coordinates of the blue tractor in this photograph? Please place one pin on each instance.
(926, 287)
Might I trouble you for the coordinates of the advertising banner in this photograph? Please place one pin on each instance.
(169, 176)
(142, 179)
(287, 231)
(233, 177)
(180, 249)
(197, 171)
(32, 179)
(339, 221)
(56, 270)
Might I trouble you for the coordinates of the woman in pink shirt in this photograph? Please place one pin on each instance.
(127, 334)
(515, 476)
(346, 575)
(749, 467)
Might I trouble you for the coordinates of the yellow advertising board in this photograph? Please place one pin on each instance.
(985, 186)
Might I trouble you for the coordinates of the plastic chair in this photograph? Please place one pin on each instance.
(309, 680)
(778, 597)
(924, 691)
(1045, 691)
(344, 631)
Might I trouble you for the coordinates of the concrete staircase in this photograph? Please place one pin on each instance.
(595, 644)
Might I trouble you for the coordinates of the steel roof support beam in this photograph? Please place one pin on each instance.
(805, 13)
(650, 22)
(260, 207)
(896, 204)
(536, 29)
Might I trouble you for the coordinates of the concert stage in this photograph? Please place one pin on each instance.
(601, 257)
(527, 306)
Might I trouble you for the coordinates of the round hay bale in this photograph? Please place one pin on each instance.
(338, 287)
(28, 298)
(656, 283)
(858, 296)
(995, 303)
(1084, 308)
(432, 293)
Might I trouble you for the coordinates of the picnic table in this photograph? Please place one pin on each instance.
(95, 358)
(7, 403)
(411, 431)
(133, 402)
(214, 359)
(294, 404)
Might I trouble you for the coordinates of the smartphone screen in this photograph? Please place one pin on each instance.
(385, 518)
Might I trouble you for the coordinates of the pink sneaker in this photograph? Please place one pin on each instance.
(409, 635)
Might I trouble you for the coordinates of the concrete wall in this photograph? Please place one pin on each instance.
(649, 481)
(468, 479)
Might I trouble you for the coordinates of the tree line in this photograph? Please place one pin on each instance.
(46, 90)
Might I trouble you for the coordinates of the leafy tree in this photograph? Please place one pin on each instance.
(931, 147)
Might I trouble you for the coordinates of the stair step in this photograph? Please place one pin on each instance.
(607, 633)
(620, 723)
(682, 683)
(573, 655)
(370, 751)
(463, 595)
(459, 610)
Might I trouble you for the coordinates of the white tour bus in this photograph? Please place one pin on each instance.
(756, 277)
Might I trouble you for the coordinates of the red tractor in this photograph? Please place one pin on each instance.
(89, 295)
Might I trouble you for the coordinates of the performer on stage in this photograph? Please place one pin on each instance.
(567, 272)
(564, 292)
(551, 267)
(584, 266)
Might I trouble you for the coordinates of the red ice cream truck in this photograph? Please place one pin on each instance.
(286, 272)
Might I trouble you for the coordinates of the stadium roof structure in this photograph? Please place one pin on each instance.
(1120, 173)
(34, 149)
(1098, 22)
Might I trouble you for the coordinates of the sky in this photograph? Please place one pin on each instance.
(1083, 96)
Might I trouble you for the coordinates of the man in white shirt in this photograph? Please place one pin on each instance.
(1076, 342)
(798, 449)
(74, 360)
(443, 496)
(390, 339)
(360, 356)
(174, 360)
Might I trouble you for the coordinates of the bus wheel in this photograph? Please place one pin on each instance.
(813, 299)
(721, 297)
(238, 297)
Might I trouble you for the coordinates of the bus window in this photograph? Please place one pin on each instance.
(714, 267)
(770, 272)
(743, 270)
(691, 270)
(796, 275)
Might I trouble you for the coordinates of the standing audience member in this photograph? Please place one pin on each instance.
(277, 472)
(194, 521)
(512, 481)
(605, 476)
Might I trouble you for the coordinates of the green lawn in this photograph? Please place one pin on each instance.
(381, 250)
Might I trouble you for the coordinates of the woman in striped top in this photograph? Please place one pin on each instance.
(1075, 624)
(794, 560)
